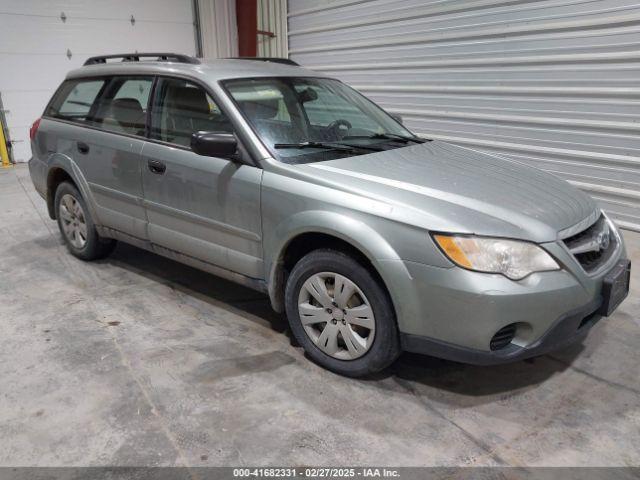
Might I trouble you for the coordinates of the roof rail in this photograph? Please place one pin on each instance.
(284, 61)
(135, 57)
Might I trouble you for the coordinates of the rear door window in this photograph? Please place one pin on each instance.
(122, 106)
(74, 99)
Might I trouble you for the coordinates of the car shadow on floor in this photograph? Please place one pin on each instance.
(475, 380)
(197, 283)
(436, 374)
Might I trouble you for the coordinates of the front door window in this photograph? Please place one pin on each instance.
(182, 108)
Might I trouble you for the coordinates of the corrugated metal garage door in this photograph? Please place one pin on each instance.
(552, 83)
(272, 18)
(37, 38)
(218, 27)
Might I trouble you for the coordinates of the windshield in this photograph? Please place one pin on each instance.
(304, 120)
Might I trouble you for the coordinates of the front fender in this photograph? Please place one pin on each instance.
(354, 232)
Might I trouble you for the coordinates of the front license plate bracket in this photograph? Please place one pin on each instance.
(615, 287)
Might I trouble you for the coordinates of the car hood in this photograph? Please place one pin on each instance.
(444, 187)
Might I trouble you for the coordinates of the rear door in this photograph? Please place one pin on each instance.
(203, 207)
(113, 163)
(105, 136)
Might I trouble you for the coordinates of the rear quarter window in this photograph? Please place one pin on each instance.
(74, 99)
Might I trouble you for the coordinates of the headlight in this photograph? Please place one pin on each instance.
(511, 258)
(612, 226)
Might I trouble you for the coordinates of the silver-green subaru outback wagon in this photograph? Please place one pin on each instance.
(372, 240)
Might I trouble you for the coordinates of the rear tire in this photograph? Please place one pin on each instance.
(341, 315)
(77, 227)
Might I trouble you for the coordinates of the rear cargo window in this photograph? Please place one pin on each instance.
(74, 99)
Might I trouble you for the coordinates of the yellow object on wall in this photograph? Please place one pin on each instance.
(4, 154)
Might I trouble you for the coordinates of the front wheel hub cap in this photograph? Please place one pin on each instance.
(336, 315)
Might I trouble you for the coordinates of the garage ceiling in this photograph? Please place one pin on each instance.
(550, 83)
(41, 41)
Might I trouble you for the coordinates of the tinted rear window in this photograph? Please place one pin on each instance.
(117, 104)
(74, 99)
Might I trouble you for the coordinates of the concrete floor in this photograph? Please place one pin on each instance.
(138, 360)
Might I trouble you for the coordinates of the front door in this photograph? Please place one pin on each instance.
(204, 207)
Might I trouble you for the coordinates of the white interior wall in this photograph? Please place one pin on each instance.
(34, 41)
(218, 28)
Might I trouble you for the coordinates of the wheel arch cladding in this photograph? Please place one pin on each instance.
(62, 168)
(56, 176)
(307, 231)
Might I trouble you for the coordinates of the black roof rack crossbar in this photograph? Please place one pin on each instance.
(284, 61)
(135, 57)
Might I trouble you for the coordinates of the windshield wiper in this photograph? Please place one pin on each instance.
(341, 146)
(388, 136)
(327, 145)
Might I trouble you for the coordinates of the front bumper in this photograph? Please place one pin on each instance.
(570, 328)
(454, 313)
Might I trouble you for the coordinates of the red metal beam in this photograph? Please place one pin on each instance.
(247, 19)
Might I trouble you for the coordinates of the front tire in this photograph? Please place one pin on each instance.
(77, 227)
(340, 314)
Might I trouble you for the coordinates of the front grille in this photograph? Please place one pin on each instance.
(594, 246)
(503, 337)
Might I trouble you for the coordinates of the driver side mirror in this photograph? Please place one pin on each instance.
(396, 117)
(210, 144)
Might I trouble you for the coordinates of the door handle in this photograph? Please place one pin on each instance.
(83, 148)
(156, 167)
